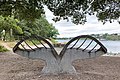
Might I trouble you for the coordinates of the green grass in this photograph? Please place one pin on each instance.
(2, 49)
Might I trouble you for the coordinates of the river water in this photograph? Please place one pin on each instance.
(112, 46)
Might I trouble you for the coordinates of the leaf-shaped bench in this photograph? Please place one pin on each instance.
(28, 47)
(75, 49)
(80, 47)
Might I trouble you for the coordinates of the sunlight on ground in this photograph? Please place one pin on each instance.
(8, 45)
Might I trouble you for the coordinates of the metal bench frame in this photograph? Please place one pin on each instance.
(61, 63)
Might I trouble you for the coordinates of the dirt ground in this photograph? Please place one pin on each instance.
(15, 67)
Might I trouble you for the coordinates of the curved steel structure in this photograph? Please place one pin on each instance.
(38, 38)
(61, 63)
(102, 47)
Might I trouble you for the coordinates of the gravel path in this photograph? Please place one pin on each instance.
(15, 67)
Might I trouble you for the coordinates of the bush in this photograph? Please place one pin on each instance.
(53, 41)
(2, 49)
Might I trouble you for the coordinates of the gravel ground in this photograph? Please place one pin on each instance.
(15, 67)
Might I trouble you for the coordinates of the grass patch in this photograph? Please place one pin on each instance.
(2, 49)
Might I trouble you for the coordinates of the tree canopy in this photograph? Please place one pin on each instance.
(76, 10)
(40, 27)
(7, 23)
(21, 9)
(11, 28)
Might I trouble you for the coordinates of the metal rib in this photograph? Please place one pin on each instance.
(99, 49)
(88, 45)
(29, 46)
(43, 44)
(82, 43)
(35, 44)
(40, 42)
(92, 48)
(23, 47)
(75, 43)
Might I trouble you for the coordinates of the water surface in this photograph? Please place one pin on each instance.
(112, 46)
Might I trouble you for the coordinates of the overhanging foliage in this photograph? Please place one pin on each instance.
(77, 10)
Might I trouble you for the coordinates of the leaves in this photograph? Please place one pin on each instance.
(106, 10)
(22, 9)
(7, 23)
(3, 49)
(40, 27)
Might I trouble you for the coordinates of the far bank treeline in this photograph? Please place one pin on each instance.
(106, 36)
(11, 28)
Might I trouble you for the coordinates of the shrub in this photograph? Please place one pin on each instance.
(2, 49)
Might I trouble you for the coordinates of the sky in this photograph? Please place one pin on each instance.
(92, 26)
